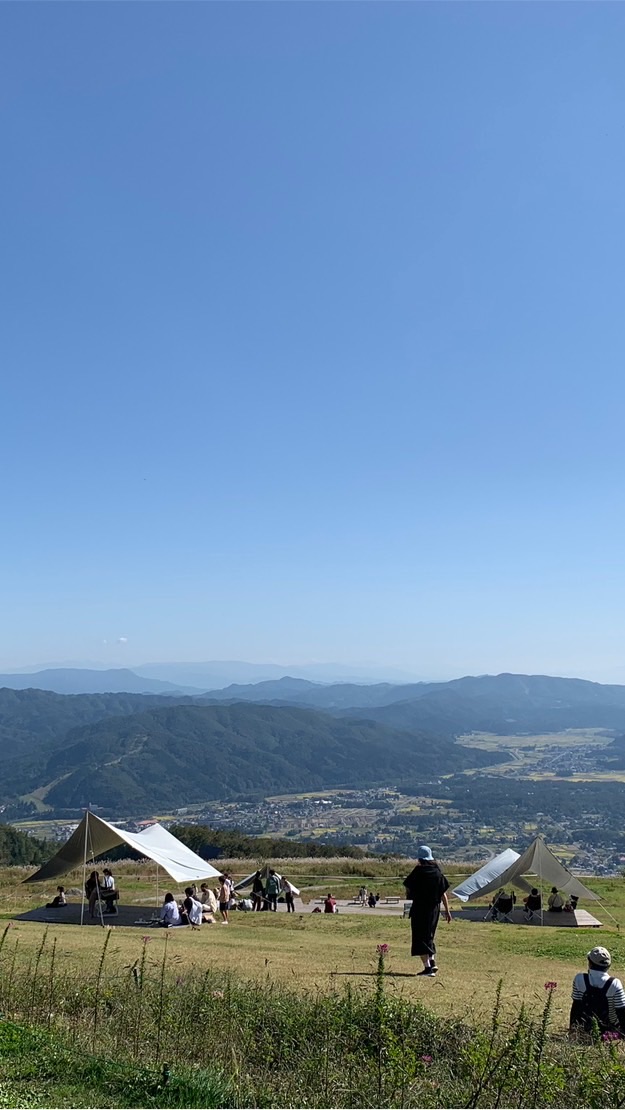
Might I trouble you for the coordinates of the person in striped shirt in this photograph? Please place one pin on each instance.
(598, 995)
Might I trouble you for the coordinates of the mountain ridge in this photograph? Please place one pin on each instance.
(76, 680)
(174, 755)
(149, 738)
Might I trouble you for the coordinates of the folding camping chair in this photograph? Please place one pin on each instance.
(501, 909)
(532, 910)
(530, 915)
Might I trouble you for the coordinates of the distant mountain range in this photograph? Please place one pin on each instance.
(196, 676)
(75, 680)
(135, 752)
(130, 754)
(502, 704)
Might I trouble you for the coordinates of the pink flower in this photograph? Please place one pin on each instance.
(146, 940)
(610, 1035)
(427, 1059)
(382, 949)
(550, 985)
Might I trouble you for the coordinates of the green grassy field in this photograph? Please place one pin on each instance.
(318, 953)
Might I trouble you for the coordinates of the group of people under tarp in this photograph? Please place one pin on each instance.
(196, 907)
(202, 906)
(101, 893)
(504, 902)
(265, 895)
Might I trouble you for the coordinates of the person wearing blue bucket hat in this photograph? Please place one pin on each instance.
(427, 887)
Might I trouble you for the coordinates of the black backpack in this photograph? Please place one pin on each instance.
(595, 1005)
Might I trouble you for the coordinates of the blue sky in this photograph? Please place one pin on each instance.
(313, 334)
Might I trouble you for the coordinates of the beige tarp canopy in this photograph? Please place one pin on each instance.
(95, 836)
(537, 860)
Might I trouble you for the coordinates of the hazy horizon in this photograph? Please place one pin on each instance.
(362, 672)
(313, 335)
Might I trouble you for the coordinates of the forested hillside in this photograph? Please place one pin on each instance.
(18, 849)
(179, 754)
(232, 844)
(168, 757)
(145, 753)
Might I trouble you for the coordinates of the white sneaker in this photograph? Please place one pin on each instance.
(225, 923)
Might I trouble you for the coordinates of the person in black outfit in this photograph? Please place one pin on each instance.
(503, 904)
(533, 903)
(426, 886)
(258, 892)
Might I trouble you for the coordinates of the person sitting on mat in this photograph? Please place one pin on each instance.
(555, 901)
(170, 914)
(191, 909)
(58, 900)
(208, 900)
(109, 893)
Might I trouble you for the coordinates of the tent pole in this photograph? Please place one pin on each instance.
(84, 870)
(98, 888)
(542, 902)
(157, 894)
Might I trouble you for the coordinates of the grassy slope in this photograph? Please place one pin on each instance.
(39, 1068)
(319, 952)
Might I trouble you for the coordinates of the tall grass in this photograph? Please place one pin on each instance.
(278, 1047)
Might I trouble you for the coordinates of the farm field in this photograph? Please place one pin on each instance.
(567, 756)
(570, 738)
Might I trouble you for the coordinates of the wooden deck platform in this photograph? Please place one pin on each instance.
(579, 919)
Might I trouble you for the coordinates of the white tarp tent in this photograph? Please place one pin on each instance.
(491, 872)
(536, 860)
(95, 836)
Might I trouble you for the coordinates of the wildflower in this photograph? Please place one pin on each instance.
(427, 1059)
(146, 940)
(382, 949)
(218, 994)
(610, 1035)
(550, 985)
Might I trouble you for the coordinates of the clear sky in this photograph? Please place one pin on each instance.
(313, 334)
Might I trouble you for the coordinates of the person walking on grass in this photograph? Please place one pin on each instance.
(427, 887)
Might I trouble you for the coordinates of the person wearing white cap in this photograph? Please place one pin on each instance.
(598, 998)
(426, 886)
